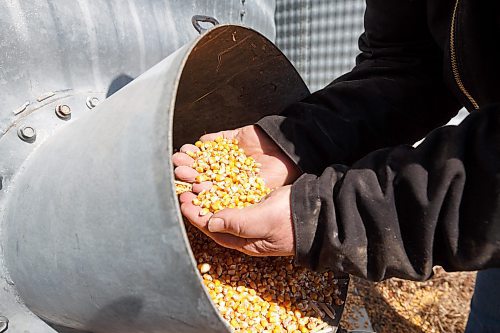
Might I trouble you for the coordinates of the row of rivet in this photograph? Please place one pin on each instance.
(28, 133)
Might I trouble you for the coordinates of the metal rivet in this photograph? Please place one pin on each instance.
(92, 102)
(63, 111)
(4, 324)
(27, 134)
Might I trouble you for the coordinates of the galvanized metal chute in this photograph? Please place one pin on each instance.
(95, 238)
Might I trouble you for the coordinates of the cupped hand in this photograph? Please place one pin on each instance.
(277, 168)
(263, 229)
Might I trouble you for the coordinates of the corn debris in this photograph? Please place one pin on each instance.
(181, 187)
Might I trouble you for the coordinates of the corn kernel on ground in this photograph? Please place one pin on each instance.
(253, 294)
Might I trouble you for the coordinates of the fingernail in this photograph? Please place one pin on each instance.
(215, 224)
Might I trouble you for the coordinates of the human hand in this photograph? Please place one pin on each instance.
(263, 229)
(277, 169)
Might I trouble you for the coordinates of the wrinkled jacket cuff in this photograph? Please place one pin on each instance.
(305, 206)
(294, 138)
(272, 126)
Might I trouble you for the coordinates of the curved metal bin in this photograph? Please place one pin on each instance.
(95, 237)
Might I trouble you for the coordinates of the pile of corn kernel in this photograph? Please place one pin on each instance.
(232, 173)
(253, 294)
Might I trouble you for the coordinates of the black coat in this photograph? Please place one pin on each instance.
(370, 204)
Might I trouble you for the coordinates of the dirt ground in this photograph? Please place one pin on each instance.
(440, 304)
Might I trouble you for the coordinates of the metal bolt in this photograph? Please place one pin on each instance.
(63, 111)
(92, 102)
(4, 324)
(27, 134)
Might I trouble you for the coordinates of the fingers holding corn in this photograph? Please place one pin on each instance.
(252, 294)
(183, 162)
(188, 149)
(199, 217)
(277, 168)
(186, 173)
(203, 186)
(265, 228)
(233, 174)
(181, 158)
(223, 176)
(223, 163)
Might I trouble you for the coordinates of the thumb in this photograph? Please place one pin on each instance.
(239, 222)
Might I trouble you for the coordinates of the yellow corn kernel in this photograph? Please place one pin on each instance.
(200, 178)
(204, 268)
(234, 323)
(250, 297)
(216, 206)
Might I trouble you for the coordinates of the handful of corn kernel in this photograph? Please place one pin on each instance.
(235, 183)
(253, 294)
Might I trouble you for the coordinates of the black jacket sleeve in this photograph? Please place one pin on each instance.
(398, 212)
(394, 95)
